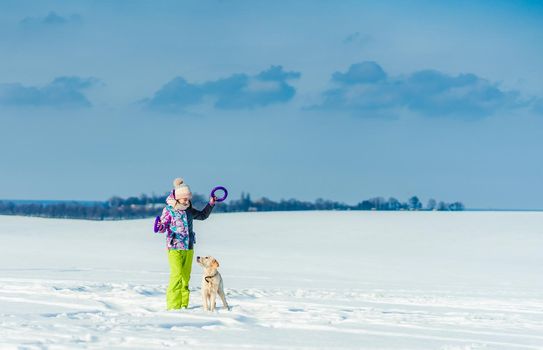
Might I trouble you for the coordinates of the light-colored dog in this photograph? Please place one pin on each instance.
(211, 283)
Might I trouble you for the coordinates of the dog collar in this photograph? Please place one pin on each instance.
(206, 277)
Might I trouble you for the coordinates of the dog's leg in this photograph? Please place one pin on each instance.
(204, 299)
(223, 298)
(212, 301)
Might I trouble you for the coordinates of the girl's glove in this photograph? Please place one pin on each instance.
(162, 228)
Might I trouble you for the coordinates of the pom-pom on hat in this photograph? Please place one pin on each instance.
(181, 189)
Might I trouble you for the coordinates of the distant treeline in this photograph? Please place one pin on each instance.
(144, 206)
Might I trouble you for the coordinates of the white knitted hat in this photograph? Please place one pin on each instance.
(181, 189)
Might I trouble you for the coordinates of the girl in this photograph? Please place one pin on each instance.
(176, 220)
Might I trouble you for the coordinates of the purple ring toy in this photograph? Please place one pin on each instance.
(219, 188)
(157, 224)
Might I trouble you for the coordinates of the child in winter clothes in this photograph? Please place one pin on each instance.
(176, 220)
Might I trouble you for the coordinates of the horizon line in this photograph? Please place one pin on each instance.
(103, 201)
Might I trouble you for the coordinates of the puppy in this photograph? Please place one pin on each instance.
(211, 283)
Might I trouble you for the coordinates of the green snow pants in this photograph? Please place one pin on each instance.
(177, 294)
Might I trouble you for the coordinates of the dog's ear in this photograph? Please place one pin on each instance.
(215, 263)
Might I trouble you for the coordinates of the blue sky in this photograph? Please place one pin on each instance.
(339, 100)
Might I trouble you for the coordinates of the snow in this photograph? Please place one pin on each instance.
(295, 280)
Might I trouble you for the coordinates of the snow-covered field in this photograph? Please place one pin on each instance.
(295, 280)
